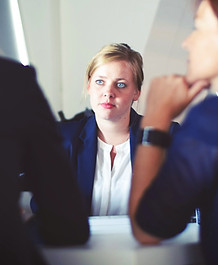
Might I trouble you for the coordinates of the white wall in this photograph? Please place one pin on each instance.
(41, 23)
(164, 53)
(63, 35)
(89, 25)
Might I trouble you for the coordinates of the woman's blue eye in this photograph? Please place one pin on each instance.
(121, 85)
(99, 82)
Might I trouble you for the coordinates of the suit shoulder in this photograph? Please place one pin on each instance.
(9, 67)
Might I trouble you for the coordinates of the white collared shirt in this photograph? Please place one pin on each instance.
(112, 187)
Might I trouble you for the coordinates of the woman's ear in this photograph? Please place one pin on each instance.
(136, 95)
(88, 85)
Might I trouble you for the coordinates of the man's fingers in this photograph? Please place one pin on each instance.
(196, 88)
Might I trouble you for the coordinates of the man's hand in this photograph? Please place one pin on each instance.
(168, 96)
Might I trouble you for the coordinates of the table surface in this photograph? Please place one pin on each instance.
(111, 242)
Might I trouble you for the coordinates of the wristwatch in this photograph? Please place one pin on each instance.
(151, 136)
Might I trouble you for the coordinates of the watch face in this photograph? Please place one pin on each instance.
(151, 136)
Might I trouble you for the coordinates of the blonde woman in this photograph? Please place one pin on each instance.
(102, 147)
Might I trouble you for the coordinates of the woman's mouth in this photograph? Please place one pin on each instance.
(107, 105)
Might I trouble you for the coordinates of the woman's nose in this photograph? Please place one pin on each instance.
(109, 91)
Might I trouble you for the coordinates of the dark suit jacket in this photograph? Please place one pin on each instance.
(80, 142)
(29, 142)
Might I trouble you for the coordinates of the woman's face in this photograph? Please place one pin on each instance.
(202, 45)
(112, 90)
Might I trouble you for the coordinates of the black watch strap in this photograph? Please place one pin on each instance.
(151, 136)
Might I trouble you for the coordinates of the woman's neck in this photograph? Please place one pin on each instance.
(113, 133)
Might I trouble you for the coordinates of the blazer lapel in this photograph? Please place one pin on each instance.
(134, 127)
(87, 159)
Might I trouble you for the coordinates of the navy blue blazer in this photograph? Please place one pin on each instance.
(80, 142)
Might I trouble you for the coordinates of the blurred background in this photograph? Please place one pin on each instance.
(59, 37)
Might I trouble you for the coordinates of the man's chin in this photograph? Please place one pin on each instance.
(193, 81)
(190, 79)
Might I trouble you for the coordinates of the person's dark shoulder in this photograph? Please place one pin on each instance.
(16, 83)
(201, 121)
(12, 67)
(9, 63)
(16, 79)
(208, 108)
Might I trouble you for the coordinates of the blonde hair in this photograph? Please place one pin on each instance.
(117, 52)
